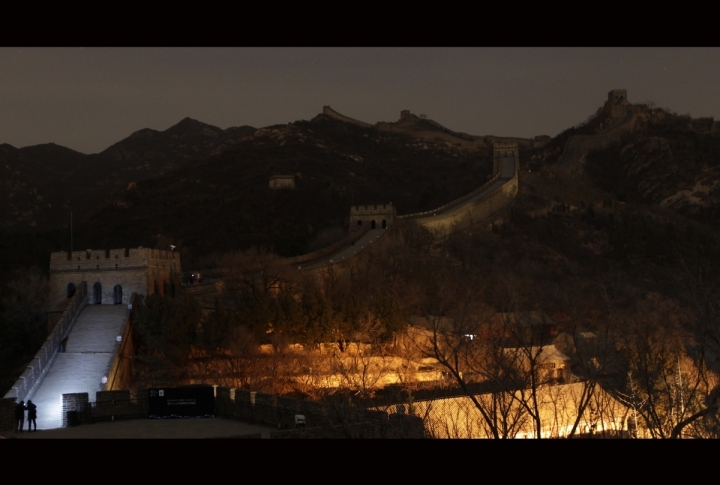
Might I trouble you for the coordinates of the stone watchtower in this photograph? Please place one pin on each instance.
(379, 216)
(616, 103)
(113, 275)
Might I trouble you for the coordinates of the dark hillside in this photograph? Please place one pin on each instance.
(669, 160)
(42, 184)
(223, 203)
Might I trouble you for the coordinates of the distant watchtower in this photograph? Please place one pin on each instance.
(406, 115)
(615, 105)
(379, 216)
(502, 152)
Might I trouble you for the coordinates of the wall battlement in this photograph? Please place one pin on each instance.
(503, 150)
(373, 209)
(124, 256)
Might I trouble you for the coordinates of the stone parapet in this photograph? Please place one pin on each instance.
(322, 419)
(35, 371)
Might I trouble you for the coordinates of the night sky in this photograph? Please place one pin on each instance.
(89, 98)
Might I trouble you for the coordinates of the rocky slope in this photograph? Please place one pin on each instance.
(667, 160)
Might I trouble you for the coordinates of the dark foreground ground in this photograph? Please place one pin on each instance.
(151, 428)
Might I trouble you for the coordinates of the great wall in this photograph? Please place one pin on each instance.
(616, 106)
(61, 367)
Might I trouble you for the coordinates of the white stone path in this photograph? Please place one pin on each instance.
(89, 353)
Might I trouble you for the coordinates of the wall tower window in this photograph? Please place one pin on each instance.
(117, 295)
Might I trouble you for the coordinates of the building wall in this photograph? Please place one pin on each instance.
(137, 270)
(282, 182)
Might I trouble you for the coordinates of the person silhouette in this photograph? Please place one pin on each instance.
(32, 415)
(20, 416)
